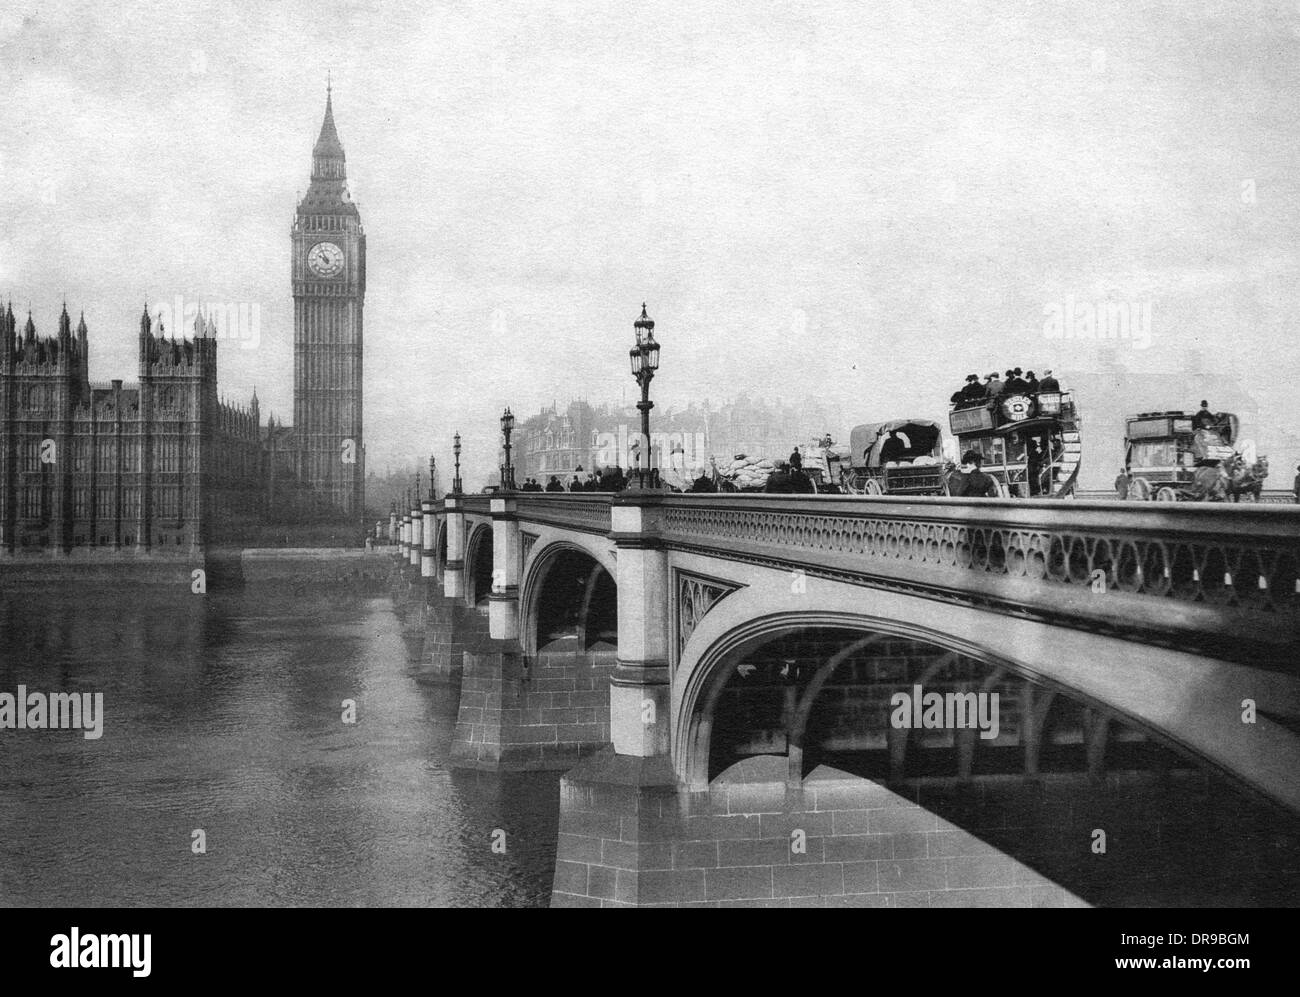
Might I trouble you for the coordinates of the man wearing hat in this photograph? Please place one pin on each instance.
(1032, 382)
(968, 481)
(958, 396)
(994, 386)
(973, 393)
(1049, 383)
(1015, 384)
(963, 396)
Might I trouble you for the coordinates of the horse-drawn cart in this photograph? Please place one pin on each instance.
(902, 457)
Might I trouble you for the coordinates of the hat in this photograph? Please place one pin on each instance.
(994, 374)
(1011, 373)
(972, 377)
(1030, 374)
(1047, 373)
(1016, 372)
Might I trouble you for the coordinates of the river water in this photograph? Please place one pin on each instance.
(223, 713)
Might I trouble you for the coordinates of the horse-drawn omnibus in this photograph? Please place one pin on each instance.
(1170, 458)
(1029, 443)
(902, 457)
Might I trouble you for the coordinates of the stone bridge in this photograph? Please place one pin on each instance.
(721, 673)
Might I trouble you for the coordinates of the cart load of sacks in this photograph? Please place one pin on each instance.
(747, 472)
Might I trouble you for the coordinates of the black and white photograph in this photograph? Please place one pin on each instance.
(579, 454)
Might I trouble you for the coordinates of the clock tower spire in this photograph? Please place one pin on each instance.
(329, 288)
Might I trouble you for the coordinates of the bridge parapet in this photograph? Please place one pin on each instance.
(478, 505)
(1220, 579)
(585, 511)
(1223, 579)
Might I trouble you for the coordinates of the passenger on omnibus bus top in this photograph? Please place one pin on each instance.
(1049, 383)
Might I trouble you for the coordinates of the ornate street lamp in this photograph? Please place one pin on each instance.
(507, 470)
(433, 478)
(455, 449)
(644, 357)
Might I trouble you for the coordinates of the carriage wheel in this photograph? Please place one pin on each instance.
(1139, 490)
(1167, 494)
(872, 487)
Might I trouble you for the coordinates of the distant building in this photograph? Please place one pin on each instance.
(559, 440)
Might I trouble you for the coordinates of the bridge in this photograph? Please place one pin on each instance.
(719, 677)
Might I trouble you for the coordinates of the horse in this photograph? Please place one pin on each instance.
(1247, 480)
(1210, 483)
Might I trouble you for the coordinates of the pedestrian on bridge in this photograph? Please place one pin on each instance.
(969, 481)
(1121, 484)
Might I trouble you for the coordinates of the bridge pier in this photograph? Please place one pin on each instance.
(517, 714)
(631, 836)
(638, 690)
(417, 529)
(503, 602)
(429, 534)
(453, 572)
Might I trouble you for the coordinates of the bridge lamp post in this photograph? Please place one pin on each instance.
(455, 449)
(645, 361)
(507, 470)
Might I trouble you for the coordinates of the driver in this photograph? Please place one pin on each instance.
(892, 449)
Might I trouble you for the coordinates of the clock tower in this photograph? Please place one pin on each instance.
(329, 290)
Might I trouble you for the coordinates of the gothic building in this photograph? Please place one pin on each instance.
(108, 468)
(162, 466)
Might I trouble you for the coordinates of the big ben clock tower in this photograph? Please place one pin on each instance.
(329, 290)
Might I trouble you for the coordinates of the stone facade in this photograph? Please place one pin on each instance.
(628, 837)
(157, 467)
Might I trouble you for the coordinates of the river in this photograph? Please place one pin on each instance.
(223, 714)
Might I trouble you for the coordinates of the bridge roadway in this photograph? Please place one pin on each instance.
(616, 633)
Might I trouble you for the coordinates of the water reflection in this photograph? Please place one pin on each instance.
(223, 712)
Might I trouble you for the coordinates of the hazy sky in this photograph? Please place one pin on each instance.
(859, 201)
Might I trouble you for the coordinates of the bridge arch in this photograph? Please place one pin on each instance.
(478, 564)
(1179, 700)
(568, 586)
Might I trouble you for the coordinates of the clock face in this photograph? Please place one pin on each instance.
(325, 259)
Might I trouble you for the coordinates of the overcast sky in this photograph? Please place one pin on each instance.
(863, 202)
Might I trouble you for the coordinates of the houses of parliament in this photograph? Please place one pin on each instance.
(162, 466)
